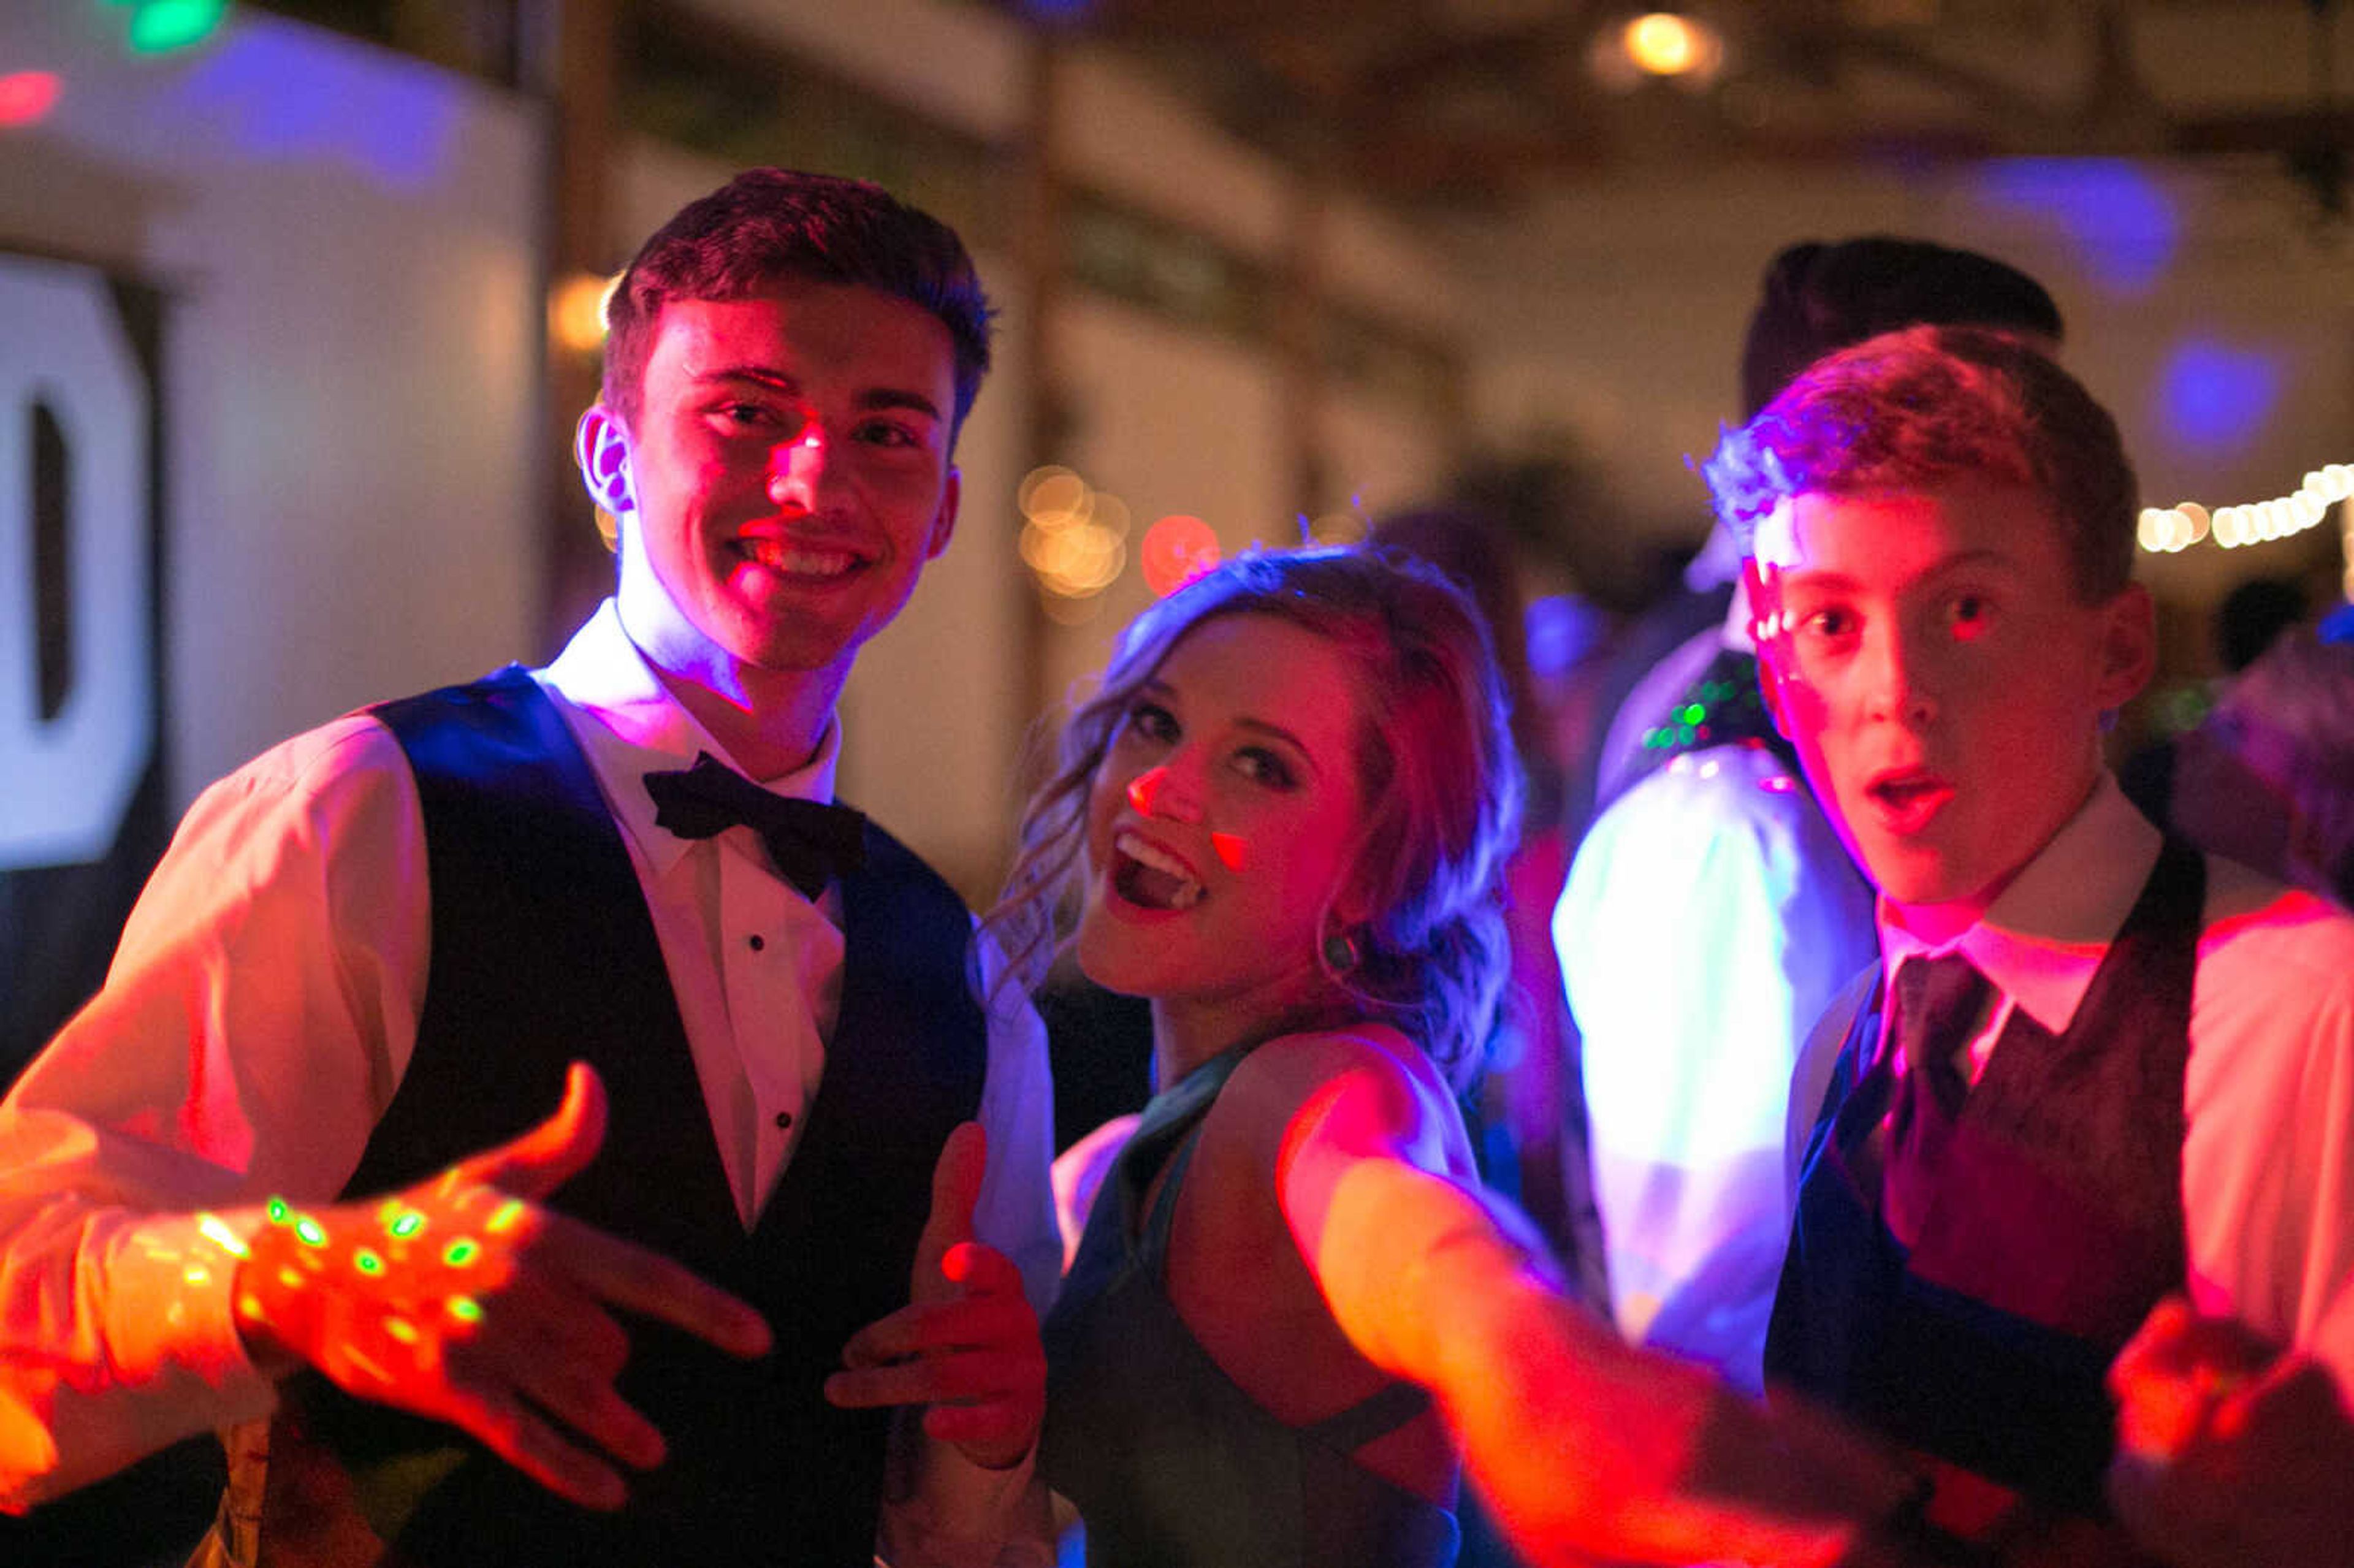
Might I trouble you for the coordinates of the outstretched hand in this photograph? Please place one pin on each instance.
(460, 1298)
(2229, 1451)
(967, 1343)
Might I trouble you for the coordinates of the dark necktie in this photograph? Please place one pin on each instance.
(809, 844)
(1938, 1001)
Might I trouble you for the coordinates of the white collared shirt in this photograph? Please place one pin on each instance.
(741, 942)
(262, 1007)
(2268, 1088)
(1709, 916)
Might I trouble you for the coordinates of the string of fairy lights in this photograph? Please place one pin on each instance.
(2169, 530)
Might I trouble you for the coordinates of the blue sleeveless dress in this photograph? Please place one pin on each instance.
(1169, 1461)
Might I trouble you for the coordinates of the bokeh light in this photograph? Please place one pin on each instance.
(1053, 496)
(1664, 44)
(1656, 47)
(2213, 397)
(2120, 222)
(1560, 631)
(1074, 539)
(159, 27)
(28, 96)
(2169, 530)
(1177, 549)
(576, 310)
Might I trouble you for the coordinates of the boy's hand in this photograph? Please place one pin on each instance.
(2229, 1454)
(967, 1343)
(461, 1299)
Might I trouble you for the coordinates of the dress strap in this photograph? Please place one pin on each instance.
(1170, 1119)
(1154, 1240)
(1377, 1415)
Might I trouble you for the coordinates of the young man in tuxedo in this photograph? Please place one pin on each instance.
(373, 958)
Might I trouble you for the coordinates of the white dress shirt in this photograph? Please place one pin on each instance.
(2268, 1088)
(1709, 916)
(262, 1007)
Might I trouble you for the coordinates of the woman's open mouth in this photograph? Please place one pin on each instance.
(1151, 877)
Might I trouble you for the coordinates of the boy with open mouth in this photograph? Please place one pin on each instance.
(2081, 1080)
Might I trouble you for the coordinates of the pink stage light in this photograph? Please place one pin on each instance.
(1177, 549)
(28, 96)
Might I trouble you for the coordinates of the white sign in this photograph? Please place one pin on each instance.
(66, 780)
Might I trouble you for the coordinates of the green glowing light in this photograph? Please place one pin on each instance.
(409, 1224)
(506, 1215)
(159, 27)
(1694, 713)
(463, 1251)
(466, 1309)
(310, 1232)
(367, 1262)
(280, 1214)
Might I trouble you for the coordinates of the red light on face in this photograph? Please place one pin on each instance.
(1233, 850)
(1176, 550)
(1145, 788)
(28, 96)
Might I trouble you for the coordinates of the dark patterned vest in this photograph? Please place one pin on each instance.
(542, 952)
(2056, 1226)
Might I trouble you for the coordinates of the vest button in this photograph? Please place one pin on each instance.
(784, 1120)
(757, 941)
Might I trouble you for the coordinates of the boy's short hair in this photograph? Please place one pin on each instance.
(1929, 407)
(770, 224)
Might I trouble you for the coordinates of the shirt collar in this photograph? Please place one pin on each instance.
(2045, 935)
(630, 725)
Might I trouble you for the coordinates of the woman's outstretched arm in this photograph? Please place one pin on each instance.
(1584, 1445)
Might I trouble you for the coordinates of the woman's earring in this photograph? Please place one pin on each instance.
(1341, 953)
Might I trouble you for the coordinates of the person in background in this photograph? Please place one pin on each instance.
(277, 1177)
(1533, 1105)
(2095, 1068)
(1291, 1313)
(2267, 778)
(2248, 620)
(1711, 913)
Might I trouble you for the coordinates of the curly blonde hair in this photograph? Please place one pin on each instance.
(1434, 765)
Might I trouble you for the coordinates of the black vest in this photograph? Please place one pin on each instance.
(543, 952)
(2057, 1226)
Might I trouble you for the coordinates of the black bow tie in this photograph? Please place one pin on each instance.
(809, 844)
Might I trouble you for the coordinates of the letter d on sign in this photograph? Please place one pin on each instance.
(67, 778)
